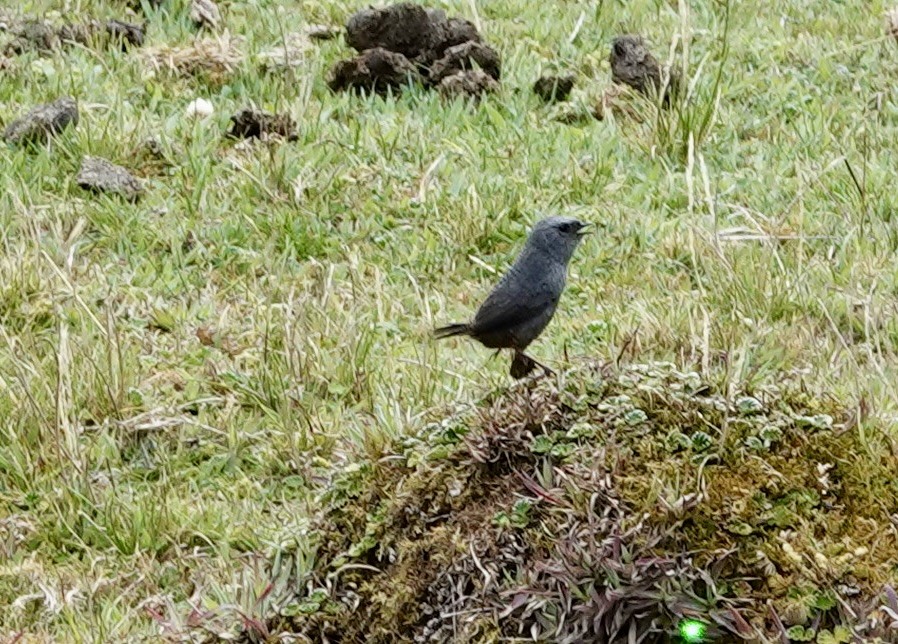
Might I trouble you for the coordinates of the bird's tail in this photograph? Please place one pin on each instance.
(451, 330)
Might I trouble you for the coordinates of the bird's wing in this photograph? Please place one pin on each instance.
(513, 302)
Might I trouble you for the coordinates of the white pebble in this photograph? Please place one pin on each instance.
(199, 108)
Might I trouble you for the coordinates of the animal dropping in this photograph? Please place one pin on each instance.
(633, 64)
(43, 122)
(99, 175)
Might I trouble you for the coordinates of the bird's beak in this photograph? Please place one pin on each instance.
(585, 229)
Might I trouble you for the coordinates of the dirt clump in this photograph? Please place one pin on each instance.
(43, 122)
(463, 57)
(377, 70)
(633, 64)
(31, 35)
(254, 124)
(471, 83)
(553, 89)
(447, 32)
(405, 28)
(101, 176)
(436, 45)
(42, 37)
(109, 33)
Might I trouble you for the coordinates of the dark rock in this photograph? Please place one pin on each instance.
(376, 70)
(99, 175)
(248, 123)
(405, 28)
(634, 65)
(472, 83)
(463, 57)
(43, 122)
(553, 89)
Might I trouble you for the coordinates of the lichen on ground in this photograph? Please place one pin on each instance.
(609, 503)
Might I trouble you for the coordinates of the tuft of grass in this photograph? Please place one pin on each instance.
(681, 127)
(535, 515)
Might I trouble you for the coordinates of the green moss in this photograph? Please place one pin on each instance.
(559, 494)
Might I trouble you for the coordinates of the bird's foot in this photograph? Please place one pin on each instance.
(522, 365)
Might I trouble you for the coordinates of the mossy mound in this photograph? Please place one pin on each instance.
(617, 507)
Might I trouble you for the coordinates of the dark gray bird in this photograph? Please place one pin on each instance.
(522, 303)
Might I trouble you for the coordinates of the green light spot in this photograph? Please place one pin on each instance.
(692, 630)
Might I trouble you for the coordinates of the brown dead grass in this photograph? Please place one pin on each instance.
(215, 57)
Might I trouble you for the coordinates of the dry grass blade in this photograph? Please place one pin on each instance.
(205, 13)
(214, 55)
(891, 18)
(289, 54)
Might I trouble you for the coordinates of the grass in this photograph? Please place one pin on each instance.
(147, 478)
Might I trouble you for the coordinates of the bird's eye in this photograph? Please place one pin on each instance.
(566, 228)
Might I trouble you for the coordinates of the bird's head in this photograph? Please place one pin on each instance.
(558, 236)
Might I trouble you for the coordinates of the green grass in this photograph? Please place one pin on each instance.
(144, 474)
